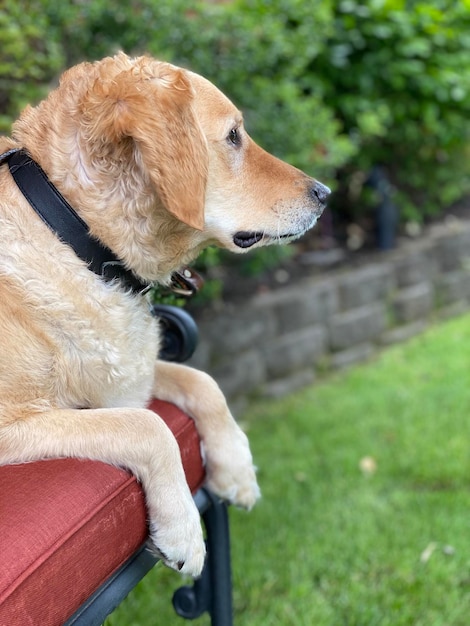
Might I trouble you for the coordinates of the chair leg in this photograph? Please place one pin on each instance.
(212, 592)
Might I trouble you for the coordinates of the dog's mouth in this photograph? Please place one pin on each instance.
(246, 239)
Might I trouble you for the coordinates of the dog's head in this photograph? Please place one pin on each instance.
(252, 198)
(145, 150)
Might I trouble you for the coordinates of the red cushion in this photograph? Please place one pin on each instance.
(66, 525)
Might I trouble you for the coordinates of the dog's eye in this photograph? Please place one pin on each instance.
(234, 137)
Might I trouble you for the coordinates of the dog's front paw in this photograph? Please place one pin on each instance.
(230, 472)
(178, 540)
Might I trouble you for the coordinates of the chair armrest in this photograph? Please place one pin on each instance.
(179, 332)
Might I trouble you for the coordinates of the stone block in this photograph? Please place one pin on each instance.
(413, 268)
(322, 298)
(401, 333)
(450, 250)
(413, 303)
(241, 374)
(298, 349)
(237, 329)
(281, 387)
(454, 310)
(366, 285)
(201, 357)
(357, 326)
(453, 286)
(308, 303)
(356, 354)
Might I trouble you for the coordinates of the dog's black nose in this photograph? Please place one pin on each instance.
(320, 192)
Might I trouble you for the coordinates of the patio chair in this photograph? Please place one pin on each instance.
(73, 532)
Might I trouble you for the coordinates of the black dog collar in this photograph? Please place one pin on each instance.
(62, 219)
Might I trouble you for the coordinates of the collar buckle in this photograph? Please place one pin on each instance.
(186, 282)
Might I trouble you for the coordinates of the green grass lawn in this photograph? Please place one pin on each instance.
(339, 540)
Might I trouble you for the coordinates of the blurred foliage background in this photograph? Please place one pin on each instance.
(335, 88)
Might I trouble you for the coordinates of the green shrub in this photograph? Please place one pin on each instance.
(397, 76)
(333, 88)
(30, 57)
(96, 28)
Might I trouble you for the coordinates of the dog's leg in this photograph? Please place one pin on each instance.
(229, 464)
(136, 439)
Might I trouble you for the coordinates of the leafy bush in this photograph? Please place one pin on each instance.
(30, 57)
(397, 76)
(334, 88)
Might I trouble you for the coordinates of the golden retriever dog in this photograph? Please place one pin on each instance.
(156, 163)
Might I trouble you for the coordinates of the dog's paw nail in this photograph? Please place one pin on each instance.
(192, 565)
(180, 546)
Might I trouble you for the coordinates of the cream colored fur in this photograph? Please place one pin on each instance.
(146, 154)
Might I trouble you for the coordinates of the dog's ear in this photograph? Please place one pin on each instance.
(156, 112)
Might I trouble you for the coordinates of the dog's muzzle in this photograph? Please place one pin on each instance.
(318, 192)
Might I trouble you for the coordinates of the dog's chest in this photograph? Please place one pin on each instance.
(84, 348)
(107, 359)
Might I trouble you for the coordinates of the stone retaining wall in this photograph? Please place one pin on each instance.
(278, 341)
